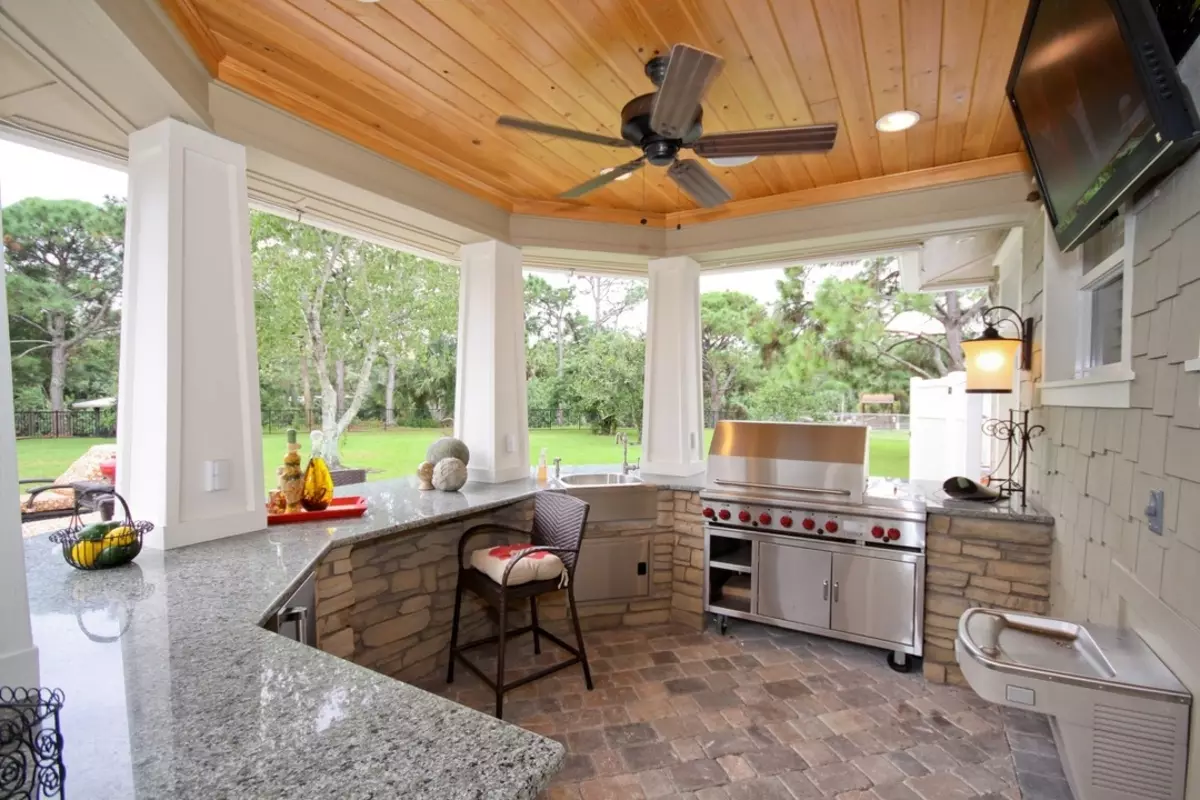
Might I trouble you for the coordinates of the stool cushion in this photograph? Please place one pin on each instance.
(538, 566)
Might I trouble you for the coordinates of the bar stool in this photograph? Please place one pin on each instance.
(558, 524)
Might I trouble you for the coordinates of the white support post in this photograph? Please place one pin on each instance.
(491, 414)
(673, 410)
(18, 656)
(189, 431)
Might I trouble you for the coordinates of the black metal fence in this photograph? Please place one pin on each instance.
(275, 420)
(93, 422)
(102, 422)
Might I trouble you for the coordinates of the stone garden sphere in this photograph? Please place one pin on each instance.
(448, 447)
(449, 474)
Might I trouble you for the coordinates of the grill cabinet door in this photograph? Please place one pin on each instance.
(793, 584)
(873, 597)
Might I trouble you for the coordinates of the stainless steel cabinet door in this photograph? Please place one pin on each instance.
(873, 597)
(793, 584)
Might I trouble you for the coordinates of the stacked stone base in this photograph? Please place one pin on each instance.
(979, 562)
(388, 603)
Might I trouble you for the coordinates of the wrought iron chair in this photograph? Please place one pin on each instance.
(558, 524)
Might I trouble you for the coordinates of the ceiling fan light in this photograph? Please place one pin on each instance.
(624, 177)
(731, 161)
(897, 121)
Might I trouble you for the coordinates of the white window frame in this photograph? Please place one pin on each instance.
(1067, 380)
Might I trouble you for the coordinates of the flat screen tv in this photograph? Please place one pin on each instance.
(1100, 106)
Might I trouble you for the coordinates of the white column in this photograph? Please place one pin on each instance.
(673, 410)
(490, 413)
(189, 433)
(18, 656)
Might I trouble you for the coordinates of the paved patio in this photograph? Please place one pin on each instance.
(765, 713)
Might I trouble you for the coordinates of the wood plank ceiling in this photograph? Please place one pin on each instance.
(422, 81)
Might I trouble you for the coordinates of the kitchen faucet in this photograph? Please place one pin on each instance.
(626, 467)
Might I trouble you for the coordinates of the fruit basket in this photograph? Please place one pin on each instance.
(102, 544)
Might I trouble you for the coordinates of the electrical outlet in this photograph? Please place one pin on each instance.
(1154, 511)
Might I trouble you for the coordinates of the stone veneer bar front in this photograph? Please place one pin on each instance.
(387, 603)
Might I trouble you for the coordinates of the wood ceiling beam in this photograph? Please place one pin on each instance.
(992, 167)
(191, 24)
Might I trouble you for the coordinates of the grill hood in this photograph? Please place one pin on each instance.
(792, 460)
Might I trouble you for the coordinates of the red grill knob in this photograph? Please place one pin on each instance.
(708, 512)
(893, 534)
(808, 524)
(744, 515)
(764, 518)
(877, 532)
(723, 513)
(831, 526)
(785, 521)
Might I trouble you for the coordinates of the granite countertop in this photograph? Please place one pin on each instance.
(938, 502)
(173, 690)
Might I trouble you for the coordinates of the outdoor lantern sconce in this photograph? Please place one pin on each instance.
(991, 358)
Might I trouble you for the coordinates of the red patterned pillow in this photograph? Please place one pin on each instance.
(538, 566)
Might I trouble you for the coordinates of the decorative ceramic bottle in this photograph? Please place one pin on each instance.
(291, 479)
(318, 482)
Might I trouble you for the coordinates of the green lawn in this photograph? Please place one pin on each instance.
(397, 452)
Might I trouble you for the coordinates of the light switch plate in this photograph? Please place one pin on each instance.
(216, 475)
(1154, 511)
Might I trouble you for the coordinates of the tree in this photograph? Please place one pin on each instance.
(728, 351)
(65, 260)
(605, 379)
(550, 315)
(611, 297)
(350, 296)
(422, 328)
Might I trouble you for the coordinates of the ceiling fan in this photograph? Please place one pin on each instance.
(669, 120)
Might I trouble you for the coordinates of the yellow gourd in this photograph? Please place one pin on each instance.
(84, 553)
(318, 482)
(118, 537)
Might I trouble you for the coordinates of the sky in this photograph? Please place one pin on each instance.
(29, 172)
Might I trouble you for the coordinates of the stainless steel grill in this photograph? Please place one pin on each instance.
(797, 535)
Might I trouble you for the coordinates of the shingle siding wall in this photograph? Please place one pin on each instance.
(1094, 468)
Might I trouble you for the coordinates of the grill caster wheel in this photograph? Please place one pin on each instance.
(900, 661)
(722, 623)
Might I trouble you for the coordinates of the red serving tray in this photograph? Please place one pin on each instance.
(353, 506)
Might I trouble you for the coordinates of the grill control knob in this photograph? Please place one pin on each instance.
(831, 526)
(708, 512)
(764, 518)
(808, 524)
(744, 515)
(723, 513)
(785, 521)
(877, 532)
(893, 534)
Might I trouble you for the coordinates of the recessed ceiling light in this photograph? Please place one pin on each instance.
(624, 177)
(731, 161)
(897, 121)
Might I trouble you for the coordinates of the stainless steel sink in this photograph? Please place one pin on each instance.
(597, 479)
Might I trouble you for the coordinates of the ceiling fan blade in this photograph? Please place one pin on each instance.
(567, 133)
(603, 179)
(769, 142)
(700, 185)
(689, 73)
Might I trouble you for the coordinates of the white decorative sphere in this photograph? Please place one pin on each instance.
(449, 475)
(448, 447)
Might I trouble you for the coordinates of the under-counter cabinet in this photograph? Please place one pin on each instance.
(873, 597)
(793, 584)
(849, 591)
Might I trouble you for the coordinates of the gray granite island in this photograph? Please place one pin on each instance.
(174, 690)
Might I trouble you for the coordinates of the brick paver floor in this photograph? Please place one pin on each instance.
(765, 713)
